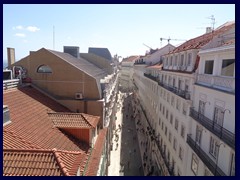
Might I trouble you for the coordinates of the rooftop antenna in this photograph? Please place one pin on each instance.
(53, 38)
(212, 21)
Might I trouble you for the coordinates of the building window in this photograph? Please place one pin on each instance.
(167, 114)
(175, 60)
(168, 156)
(163, 110)
(182, 60)
(228, 67)
(180, 153)
(184, 109)
(176, 124)
(170, 137)
(213, 147)
(44, 69)
(172, 100)
(178, 104)
(232, 170)
(194, 165)
(160, 107)
(183, 131)
(162, 125)
(175, 144)
(171, 119)
(168, 97)
(208, 67)
(189, 59)
(159, 121)
(171, 61)
(218, 116)
(198, 135)
(165, 130)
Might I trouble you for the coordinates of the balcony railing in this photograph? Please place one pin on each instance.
(182, 93)
(222, 83)
(7, 84)
(212, 166)
(224, 134)
(150, 77)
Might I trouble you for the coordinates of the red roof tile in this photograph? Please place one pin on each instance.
(22, 162)
(202, 40)
(95, 158)
(73, 120)
(32, 134)
(130, 59)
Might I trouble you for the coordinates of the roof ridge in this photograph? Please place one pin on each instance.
(83, 116)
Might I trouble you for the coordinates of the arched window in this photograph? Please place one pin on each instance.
(44, 69)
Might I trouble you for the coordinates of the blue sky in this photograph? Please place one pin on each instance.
(121, 28)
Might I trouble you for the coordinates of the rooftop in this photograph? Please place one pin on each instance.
(202, 40)
(33, 135)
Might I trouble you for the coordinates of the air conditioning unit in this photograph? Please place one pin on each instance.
(78, 96)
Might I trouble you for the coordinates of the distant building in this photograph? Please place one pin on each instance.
(126, 77)
(102, 52)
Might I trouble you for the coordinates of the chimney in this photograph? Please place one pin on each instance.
(208, 30)
(11, 56)
(6, 115)
(73, 50)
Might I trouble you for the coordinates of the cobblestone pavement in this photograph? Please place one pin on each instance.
(125, 156)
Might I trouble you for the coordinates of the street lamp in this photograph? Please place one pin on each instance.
(218, 146)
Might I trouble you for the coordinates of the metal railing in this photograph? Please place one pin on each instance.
(182, 93)
(212, 166)
(7, 84)
(224, 134)
(150, 77)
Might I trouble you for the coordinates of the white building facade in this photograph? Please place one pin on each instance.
(212, 135)
(169, 98)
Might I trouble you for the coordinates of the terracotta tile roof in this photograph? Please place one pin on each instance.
(157, 66)
(32, 131)
(22, 162)
(202, 40)
(73, 120)
(95, 158)
(28, 112)
(130, 59)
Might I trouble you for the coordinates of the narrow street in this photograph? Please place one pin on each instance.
(125, 155)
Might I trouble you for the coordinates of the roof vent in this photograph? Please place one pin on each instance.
(208, 29)
(73, 50)
(78, 96)
(6, 115)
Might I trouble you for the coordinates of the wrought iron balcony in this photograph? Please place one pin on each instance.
(150, 77)
(224, 134)
(212, 166)
(182, 93)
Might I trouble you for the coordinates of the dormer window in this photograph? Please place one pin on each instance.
(189, 59)
(228, 67)
(44, 69)
(208, 67)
